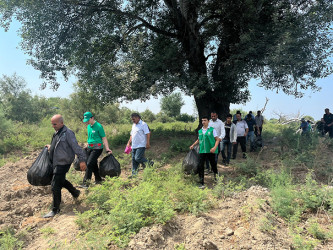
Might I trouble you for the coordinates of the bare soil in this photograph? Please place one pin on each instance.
(237, 222)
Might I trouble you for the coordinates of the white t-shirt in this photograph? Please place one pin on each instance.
(218, 126)
(139, 134)
(240, 127)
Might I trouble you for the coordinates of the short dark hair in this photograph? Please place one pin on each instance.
(205, 117)
(238, 112)
(229, 115)
(135, 115)
(213, 112)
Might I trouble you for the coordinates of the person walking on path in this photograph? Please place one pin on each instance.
(260, 122)
(208, 143)
(305, 127)
(96, 139)
(62, 150)
(242, 130)
(140, 140)
(229, 139)
(328, 122)
(251, 123)
(218, 125)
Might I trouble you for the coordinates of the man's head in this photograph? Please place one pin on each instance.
(205, 121)
(88, 117)
(258, 112)
(302, 120)
(249, 117)
(229, 118)
(239, 116)
(213, 115)
(327, 111)
(57, 122)
(135, 118)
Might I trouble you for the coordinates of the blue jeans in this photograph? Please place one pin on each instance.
(229, 146)
(137, 158)
(250, 135)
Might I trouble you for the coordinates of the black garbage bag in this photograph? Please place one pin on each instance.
(76, 162)
(258, 142)
(109, 166)
(191, 161)
(41, 171)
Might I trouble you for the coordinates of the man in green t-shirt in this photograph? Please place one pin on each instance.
(208, 142)
(96, 139)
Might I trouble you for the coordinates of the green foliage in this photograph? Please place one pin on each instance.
(164, 118)
(180, 144)
(8, 240)
(248, 167)
(122, 207)
(268, 223)
(148, 116)
(185, 118)
(317, 232)
(172, 104)
(225, 189)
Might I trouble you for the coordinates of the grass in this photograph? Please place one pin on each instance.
(122, 207)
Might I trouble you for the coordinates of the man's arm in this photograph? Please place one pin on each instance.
(106, 144)
(148, 141)
(222, 131)
(217, 141)
(195, 143)
(129, 141)
(71, 139)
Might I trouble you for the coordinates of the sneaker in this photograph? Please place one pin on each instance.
(85, 186)
(98, 182)
(76, 194)
(51, 214)
(244, 156)
(143, 165)
(201, 186)
(151, 163)
(224, 161)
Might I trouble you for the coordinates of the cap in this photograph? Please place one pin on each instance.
(87, 116)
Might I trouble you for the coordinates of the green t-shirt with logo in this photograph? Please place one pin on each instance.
(207, 141)
(95, 135)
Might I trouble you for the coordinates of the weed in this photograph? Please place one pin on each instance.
(47, 231)
(226, 189)
(268, 224)
(8, 240)
(180, 246)
(317, 232)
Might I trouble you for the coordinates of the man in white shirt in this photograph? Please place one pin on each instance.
(140, 139)
(218, 125)
(242, 130)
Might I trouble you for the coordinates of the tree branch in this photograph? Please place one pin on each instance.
(131, 16)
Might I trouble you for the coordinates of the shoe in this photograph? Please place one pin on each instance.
(98, 182)
(233, 157)
(201, 186)
(76, 194)
(224, 161)
(51, 214)
(143, 165)
(227, 163)
(151, 163)
(85, 186)
(244, 156)
(206, 172)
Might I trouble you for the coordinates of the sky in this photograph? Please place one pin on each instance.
(13, 60)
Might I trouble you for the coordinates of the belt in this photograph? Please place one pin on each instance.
(95, 145)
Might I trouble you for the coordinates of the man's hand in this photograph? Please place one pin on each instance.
(212, 150)
(83, 166)
(148, 146)
(109, 151)
(48, 146)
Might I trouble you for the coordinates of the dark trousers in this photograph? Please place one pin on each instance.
(58, 182)
(216, 157)
(92, 166)
(228, 144)
(202, 159)
(329, 130)
(256, 130)
(242, 141)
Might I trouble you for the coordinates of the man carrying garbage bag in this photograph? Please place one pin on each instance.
(208, 143)
(62, 150)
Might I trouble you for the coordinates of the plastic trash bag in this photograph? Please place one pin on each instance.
(191, 161)
(109, 166)
(128, 150)
(76, 162)
(41, 171)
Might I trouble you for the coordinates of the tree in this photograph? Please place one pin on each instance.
(172, 104)
(148, 115)
(208, 49)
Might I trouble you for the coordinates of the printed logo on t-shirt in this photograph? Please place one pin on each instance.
(93, 131)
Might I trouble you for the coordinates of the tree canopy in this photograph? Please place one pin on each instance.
(208, 49)
(172, 104)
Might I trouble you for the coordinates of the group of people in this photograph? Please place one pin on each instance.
(325, 125)
(64, 147)
(215, 136)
